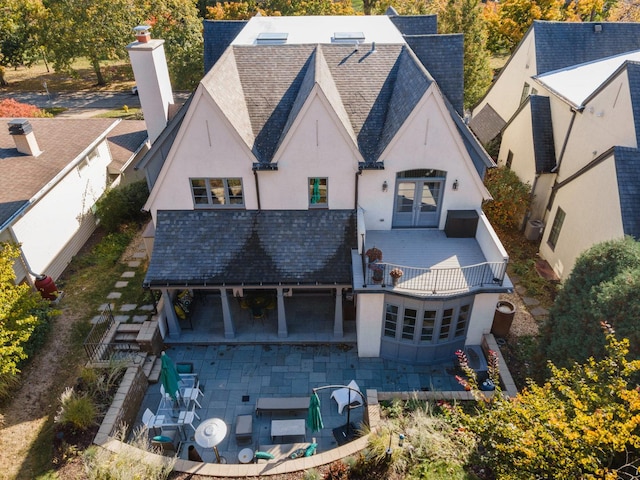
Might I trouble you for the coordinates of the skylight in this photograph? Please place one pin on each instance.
(272, 38)
(348, 37)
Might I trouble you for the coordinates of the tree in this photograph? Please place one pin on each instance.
(17, 320)
(603, 285)
(19, 43)
(98, 30)
(583, 423)
(246, 10)
(465, 16)
(625, 11)
(510, 198)
(177, 22)
(13, 109)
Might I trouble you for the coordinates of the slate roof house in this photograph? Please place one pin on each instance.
(52, 171)
(567, 111)
(310, 141)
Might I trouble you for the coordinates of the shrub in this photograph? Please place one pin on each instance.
(337, 471)
(78, 410)
(123, 205)
(510, 198)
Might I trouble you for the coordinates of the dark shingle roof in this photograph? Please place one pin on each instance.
(442, 56)
(542, 129)
(61, 140)
(633, 73)
(486, 124)
(252, 247)
(218, 35)
(562, 44)
(416, 24)
(125, 141)
(628, 173)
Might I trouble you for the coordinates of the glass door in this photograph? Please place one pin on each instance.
(417, 203)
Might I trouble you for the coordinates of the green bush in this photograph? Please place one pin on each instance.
(510, 198)
(123, 205)
(77, 410)
(603, 286)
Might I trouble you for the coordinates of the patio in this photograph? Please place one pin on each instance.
(233, 377)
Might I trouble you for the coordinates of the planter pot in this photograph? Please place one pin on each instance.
(503, 318)
(395, 281)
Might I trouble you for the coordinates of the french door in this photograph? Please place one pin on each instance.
(417, 202)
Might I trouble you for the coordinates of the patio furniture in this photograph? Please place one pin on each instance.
(210, 433)
(288, 428)
(148, 419)
(244, 428)
(347, 396)
(282, 451)
(245, 455)
(281, 404)
(168, 442)
(188, 417)
(194, 455)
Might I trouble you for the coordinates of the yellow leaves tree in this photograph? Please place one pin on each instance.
(584, 422)
(246, 10)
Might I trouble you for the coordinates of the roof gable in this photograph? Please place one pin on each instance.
(218, 35)
(633, 73)
(628, 175)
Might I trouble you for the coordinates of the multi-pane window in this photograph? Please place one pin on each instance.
(428, 325)
(217, 192)
(463, 319)
(445, 326)
(556, 227)
(525, 92)
(318, 192)
(390, 321)
(409, 323)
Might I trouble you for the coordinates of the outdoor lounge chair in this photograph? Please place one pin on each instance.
(345, 397)
(244, 428)
(168, 442)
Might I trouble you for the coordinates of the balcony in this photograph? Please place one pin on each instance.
(432, 263)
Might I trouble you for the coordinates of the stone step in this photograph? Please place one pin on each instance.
(154, 375)
(133, 347)
(129, 327)
(126, 337)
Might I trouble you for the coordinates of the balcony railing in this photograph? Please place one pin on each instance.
(436, 280)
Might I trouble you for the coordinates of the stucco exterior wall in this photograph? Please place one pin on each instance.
(61, 211)
(592, 207)
(518, 139)
(369, 308)
(484, 307)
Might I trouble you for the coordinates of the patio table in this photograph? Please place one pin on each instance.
(285, 428)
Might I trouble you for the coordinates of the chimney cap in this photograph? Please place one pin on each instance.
(142, 29)
(19, 126)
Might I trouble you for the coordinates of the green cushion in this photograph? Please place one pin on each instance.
(184, 368)
(162, 438)
(298, 453)
(264, 455)
(311, 449)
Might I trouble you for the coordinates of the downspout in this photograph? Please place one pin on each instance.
(255, 176)
(358, 173)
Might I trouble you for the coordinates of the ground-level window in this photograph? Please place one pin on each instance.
(555, 228)
(318, 194)
(509, 159)
(427, 324)
(217, 192)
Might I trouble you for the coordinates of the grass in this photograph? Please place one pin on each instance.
(125, 113)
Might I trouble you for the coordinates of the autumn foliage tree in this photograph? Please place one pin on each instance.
(13, 109)
(246, 10)
(510, 198)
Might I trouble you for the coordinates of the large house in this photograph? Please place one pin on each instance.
(567, 110)
(52, 172)
(310, 142)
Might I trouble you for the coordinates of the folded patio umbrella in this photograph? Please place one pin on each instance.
(169, 376)
(314, 417)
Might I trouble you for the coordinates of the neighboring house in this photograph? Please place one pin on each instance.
(309, 141)
(52, 172)
(567, 109)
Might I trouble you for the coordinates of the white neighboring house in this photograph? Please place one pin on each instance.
(52, 172)
(572, 133)
(308, 142)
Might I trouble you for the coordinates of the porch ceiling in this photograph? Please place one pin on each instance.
(249, 247)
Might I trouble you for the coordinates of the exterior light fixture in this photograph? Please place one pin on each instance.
(455, 184)
(385, 186)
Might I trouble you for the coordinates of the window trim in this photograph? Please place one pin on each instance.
(210, 195)
(310, 187)
(556, 227)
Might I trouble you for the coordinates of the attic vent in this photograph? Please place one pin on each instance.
(348, 37)
(272, 38)
(597, 28)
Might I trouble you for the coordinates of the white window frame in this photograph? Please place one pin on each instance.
(211, 199)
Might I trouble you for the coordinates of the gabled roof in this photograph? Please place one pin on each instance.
(562, 44)
(264, 86)
(633, 73)
(542, 130)
(218, 35)
(63, 142)
(486, 124)
(125, 141)
(269, 247)
(414, 24)
(627, 161)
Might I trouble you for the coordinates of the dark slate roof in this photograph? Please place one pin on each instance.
(542, 129)
(218, 35)
(442, 56)
(372, 92)
(486, 124)
(562, 44)
(305, 247)
(125, 140)
(628, 173)
(633, 73)
(61, 141)
(415, 24)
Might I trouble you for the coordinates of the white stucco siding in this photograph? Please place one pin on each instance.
(428, 139)
(504, 95)
(370, 310)
(315, 146)
(518, 139)
(484, 307)
(206, 147)
(50, 224)
(543, 185)
(592, 208)
(605, 122)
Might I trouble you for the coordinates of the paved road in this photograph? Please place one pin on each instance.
(83, 100)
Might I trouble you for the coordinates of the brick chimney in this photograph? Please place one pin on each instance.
(152, 80)
(22, 132)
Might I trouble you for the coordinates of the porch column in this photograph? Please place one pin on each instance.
(282, 316)
(338, 331)
(173, 324)
(227, 319)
